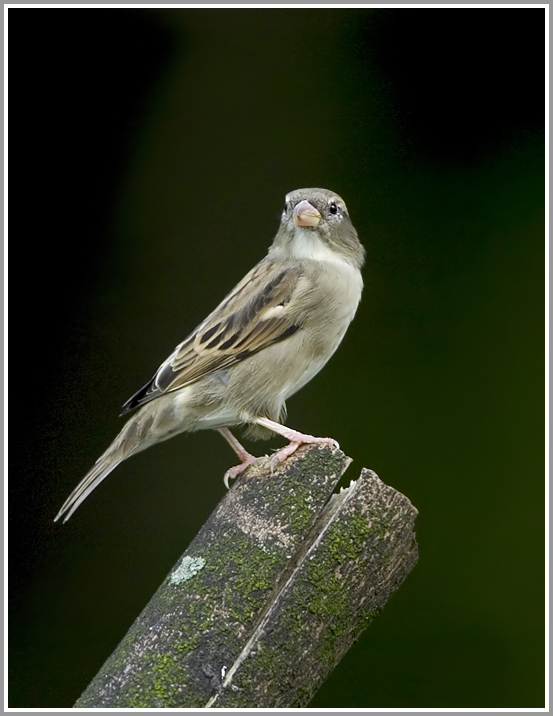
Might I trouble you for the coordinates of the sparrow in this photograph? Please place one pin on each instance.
(270, 336)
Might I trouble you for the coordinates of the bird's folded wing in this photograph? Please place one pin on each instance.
(258, 312)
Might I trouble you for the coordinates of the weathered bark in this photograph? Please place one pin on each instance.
(270, 594)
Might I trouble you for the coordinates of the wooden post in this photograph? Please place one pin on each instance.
(271, 593)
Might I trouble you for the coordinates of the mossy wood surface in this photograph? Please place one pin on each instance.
(270, 594)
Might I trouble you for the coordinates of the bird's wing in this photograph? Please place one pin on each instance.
(253, 316)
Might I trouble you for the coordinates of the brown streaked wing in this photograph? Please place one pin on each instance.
(237, 328)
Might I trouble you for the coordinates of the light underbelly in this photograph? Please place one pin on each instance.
(319, 357)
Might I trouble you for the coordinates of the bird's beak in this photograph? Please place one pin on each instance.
(306, 215)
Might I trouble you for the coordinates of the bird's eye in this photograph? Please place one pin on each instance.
(333, 207)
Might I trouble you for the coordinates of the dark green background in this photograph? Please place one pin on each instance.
(150, 152)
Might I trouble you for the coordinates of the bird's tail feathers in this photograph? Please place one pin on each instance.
(125, 444)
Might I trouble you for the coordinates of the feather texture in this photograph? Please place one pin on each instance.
(272, 333)
(235, 330)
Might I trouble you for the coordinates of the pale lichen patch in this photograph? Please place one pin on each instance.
(188, 567)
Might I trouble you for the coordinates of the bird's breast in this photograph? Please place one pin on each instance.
(335, 296)
(329, 293)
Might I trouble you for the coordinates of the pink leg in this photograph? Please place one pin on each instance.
(245, 458)
(296, 439)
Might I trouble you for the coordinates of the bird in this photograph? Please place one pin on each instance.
(267, 338)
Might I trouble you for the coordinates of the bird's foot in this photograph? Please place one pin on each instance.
(296, 439)
(246, 458)
(233, 472)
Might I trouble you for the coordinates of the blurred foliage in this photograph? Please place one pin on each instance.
(150, 154)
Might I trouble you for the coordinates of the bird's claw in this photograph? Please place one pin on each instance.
(233, 472)
(281, 455)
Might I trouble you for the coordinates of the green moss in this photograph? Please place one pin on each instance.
(330, 600)
(236, 701)
(240, 571)
(157, 685)
(297, 506)
(347, 538)
(251, 571)
(135, 700)
(366, 619)
(167, 676)
(270, 662)
(186, 645)
(303, 696)
(325, 590)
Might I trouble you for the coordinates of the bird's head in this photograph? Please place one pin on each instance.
(315, 224)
